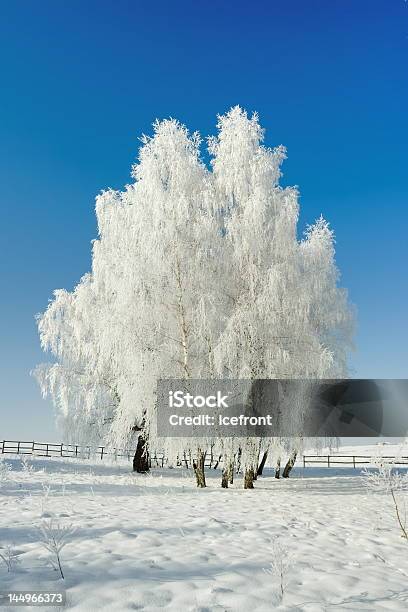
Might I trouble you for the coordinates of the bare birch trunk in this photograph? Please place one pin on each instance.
(141, 458)
(231, 472)
(249, 478)
(262, 464)
(184, 329)
(277, 469)
(198, 466)
(227, 474)
(289, 466)
(239, 460)
(224, 478)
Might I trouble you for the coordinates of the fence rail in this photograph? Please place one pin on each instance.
(354, 460)
(48, 449)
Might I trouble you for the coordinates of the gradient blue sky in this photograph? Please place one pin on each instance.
(81, 80)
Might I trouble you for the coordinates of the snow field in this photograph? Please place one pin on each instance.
(156, 543)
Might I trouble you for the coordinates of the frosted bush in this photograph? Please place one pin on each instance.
(5, 469)
(26, 465)
(280, 565)
(54, 537)
(387, 480)
(9, 557)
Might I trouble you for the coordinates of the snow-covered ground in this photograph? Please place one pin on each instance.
(155, 542)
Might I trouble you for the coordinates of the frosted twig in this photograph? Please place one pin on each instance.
(53, 537)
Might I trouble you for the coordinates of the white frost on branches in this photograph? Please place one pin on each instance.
(5, 469)
(54, 537)
(386, 479)
(197, 272)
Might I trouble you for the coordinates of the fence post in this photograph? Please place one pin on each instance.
(304, 461)
(328, 460)
(101, 452)
(354, 461)
(61, 450)
(76, 450)
(18, 448)
(33, 448)
(3, 446)
(46, 452)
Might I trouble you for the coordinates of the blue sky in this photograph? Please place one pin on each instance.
(81, 80)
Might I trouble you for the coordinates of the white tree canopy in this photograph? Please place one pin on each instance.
(197, 272)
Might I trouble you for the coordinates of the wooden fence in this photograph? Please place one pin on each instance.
(345, 460)
(47, 449)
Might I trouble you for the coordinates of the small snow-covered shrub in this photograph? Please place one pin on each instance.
(386, 479)
(280, 565)
(53, 537)
(5, 469)
(27, 467)
(46, 490)
(9, 557)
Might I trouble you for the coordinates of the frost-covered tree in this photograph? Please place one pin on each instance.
(386, 479)
(172, 210)
(197, 272)
(289, 319)
(153, 301)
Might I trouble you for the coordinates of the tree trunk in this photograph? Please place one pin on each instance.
(227, 474)
(198, 466)
(277, 469)
(256, 464)
(239, 460)
(141, 458)
(249, 478)
(262, 464)
(289, 465)
(231, 473)
(217, 462)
